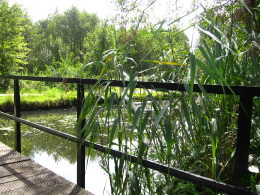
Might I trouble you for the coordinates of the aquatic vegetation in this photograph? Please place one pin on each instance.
(194, 132)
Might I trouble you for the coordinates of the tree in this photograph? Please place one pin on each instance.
(77, 26)
(60, 38)
(252, 16)
(13, 48)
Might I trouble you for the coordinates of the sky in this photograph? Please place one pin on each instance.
(39, 10)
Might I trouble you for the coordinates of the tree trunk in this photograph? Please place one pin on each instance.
(249, 18)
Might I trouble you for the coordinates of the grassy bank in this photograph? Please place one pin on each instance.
(58, 98)
(52, 98)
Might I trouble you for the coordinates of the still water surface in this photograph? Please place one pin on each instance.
(53, 152)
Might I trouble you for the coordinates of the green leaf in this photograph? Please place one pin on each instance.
(166, 55)
(142, 148)
(121, 74)
(208, 58)
(158, 30)
(210, 34)
(160, 62)
(111, 101)
(159, 117)
(168, 139)
(245, 6)
(214, 133)
(132, 61)
(148, 176)
(194, 104)
(192, 73)
(86, 106)
(123, 97)
(135, 121)
(208, 71)
(227, 161)
(214, 146)
(154, 100)
(204, 93)
(144, 123)
(152, 68)
(183, 16)
(241, 28)
(126, 53)
(188, 119)
(144, 104)
(132, 83)
(114, 128)
(135, 183)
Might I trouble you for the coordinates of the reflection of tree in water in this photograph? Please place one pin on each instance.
(52, 145)
(35, 141)
(7, 132)
(57, 148)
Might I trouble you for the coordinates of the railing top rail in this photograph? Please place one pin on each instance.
(214, 89)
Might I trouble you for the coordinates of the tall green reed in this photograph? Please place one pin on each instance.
(195, 132)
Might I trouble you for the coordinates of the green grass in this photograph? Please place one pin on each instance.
(51, 98)
(56, 97)
(139, 94)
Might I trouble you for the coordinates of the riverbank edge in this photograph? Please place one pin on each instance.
(8, 106)
(36, 105)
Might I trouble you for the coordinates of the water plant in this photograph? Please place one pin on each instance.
(194, 132)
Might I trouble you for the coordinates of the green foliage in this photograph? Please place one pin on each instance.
(58, 41)
(77, 44)
(13, 47)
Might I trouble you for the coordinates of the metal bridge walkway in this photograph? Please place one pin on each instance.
(21, 175)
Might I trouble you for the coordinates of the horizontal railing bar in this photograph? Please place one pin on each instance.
(47, 79)
(203, 181)
(214, 89)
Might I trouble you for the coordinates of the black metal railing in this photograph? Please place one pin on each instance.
(246, 95)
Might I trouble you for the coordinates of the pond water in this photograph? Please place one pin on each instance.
(53, 152)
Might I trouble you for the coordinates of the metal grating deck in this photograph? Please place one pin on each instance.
(21, 175)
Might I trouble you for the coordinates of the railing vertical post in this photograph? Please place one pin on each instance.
(80, 148)
(243, 138)
(17, 125)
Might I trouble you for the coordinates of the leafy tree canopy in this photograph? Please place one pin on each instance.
(13, 47)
